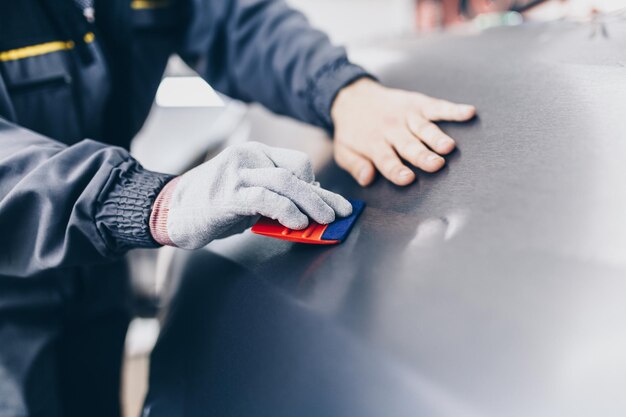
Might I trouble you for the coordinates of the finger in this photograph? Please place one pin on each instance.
(274, 206)
(430, 134)
(284, 183)
(414, 151)
(388, 163)
(340, 205)
(298, 163)
(440, 110)
(359, 167)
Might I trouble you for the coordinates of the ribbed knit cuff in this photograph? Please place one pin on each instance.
(160, 212)
(124, 212)
(327, 84)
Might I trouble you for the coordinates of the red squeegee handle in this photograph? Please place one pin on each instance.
(311, 235)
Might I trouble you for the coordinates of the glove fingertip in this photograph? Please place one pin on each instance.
(325, 217)
(344, 209)
(300, 223)
(340, 205)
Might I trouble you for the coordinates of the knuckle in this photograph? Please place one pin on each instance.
(424, 154)
(428, 130)
(390, 121)
(408, 147)
(389, 163)
(438, 103)
(448, 109)
(417, 123)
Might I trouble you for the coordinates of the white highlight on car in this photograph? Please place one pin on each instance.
(187, 92)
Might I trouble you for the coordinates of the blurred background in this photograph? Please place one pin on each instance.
(190, 122)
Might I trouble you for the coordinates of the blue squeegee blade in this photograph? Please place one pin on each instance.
(339, 229)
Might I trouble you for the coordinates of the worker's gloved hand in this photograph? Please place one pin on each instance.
(375, 126)
(227, 194)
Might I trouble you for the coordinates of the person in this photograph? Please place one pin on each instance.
(71, 207)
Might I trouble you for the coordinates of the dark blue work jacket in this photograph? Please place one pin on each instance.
(69, 202)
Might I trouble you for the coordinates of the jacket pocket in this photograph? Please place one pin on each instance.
(155, 15)
(41, 90)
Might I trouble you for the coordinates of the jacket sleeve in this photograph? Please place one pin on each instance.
(264, 51)
(63, 206)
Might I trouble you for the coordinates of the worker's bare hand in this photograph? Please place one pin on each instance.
(375, 126)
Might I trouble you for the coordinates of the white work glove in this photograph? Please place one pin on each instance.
(227, 194)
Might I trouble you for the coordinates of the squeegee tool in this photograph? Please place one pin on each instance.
(314, 234)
